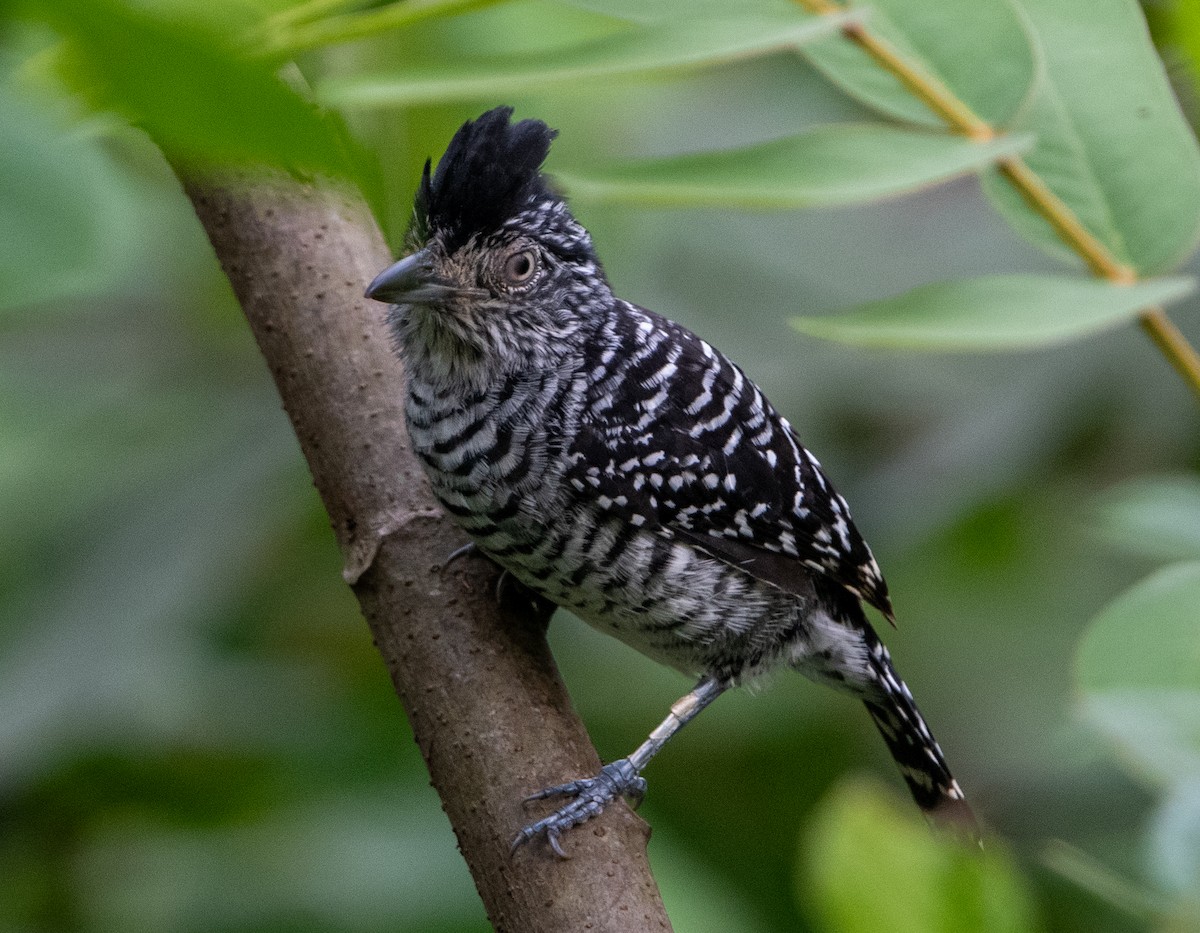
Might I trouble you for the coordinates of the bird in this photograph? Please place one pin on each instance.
(618, 465)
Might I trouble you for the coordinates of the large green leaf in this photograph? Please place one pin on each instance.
(1112, 143)
(981, 51)
(836, 164)
(1138, 670)
(189, 84)
(869, 865)
(1148, 637)
(648, 11)
(1159, 516)
(668, 47)
(994, 313)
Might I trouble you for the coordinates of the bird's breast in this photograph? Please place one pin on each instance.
(494, 456)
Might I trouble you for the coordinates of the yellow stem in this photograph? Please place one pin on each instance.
(959, 117)
(1173, 345)
(928, 89)
(1069, 228)
(935, 95)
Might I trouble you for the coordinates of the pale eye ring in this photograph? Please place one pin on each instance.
(520, 267)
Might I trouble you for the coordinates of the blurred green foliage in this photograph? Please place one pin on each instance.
(942, 885)
(195, 731)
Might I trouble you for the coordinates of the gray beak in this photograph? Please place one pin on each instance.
(409, 281)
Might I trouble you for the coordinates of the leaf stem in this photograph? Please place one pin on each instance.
(1069, 228)
(1172, 344)
(935, 94)
(959, 117)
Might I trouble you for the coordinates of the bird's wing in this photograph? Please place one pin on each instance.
(685, 442)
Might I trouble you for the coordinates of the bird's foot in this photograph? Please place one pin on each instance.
(590, 797)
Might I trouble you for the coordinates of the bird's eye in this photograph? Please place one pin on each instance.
(519, 267)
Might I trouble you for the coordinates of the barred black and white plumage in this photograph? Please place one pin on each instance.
(619, 465)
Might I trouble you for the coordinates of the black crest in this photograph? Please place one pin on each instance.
(491, 171)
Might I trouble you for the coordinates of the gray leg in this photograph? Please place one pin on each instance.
(621, 778)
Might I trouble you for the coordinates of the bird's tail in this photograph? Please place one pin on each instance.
(913, 746)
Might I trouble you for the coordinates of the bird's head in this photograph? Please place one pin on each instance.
(499, 272)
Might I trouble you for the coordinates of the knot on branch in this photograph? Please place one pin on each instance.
(363, 546)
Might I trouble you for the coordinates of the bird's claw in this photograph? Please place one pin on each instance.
(589, 798)
(510, 593)
(467, 550)
(504, 583)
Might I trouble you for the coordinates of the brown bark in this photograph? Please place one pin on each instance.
(484, 698)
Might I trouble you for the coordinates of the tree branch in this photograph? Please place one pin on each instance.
(484, 698)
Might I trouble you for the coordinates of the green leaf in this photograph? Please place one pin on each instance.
(64, 218)
(1138, 670)
(1112, 143)
(1148, 637)
(869, 865)
(994, 313)
(837, 164)
(648, 11)
(686, 43)
(1158, 516)
(981, 51)
(190, 86)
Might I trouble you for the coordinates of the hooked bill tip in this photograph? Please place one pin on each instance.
(400, 279)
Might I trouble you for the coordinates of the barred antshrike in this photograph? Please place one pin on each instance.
(619, 465)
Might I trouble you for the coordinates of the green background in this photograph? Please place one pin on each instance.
(195, 731)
